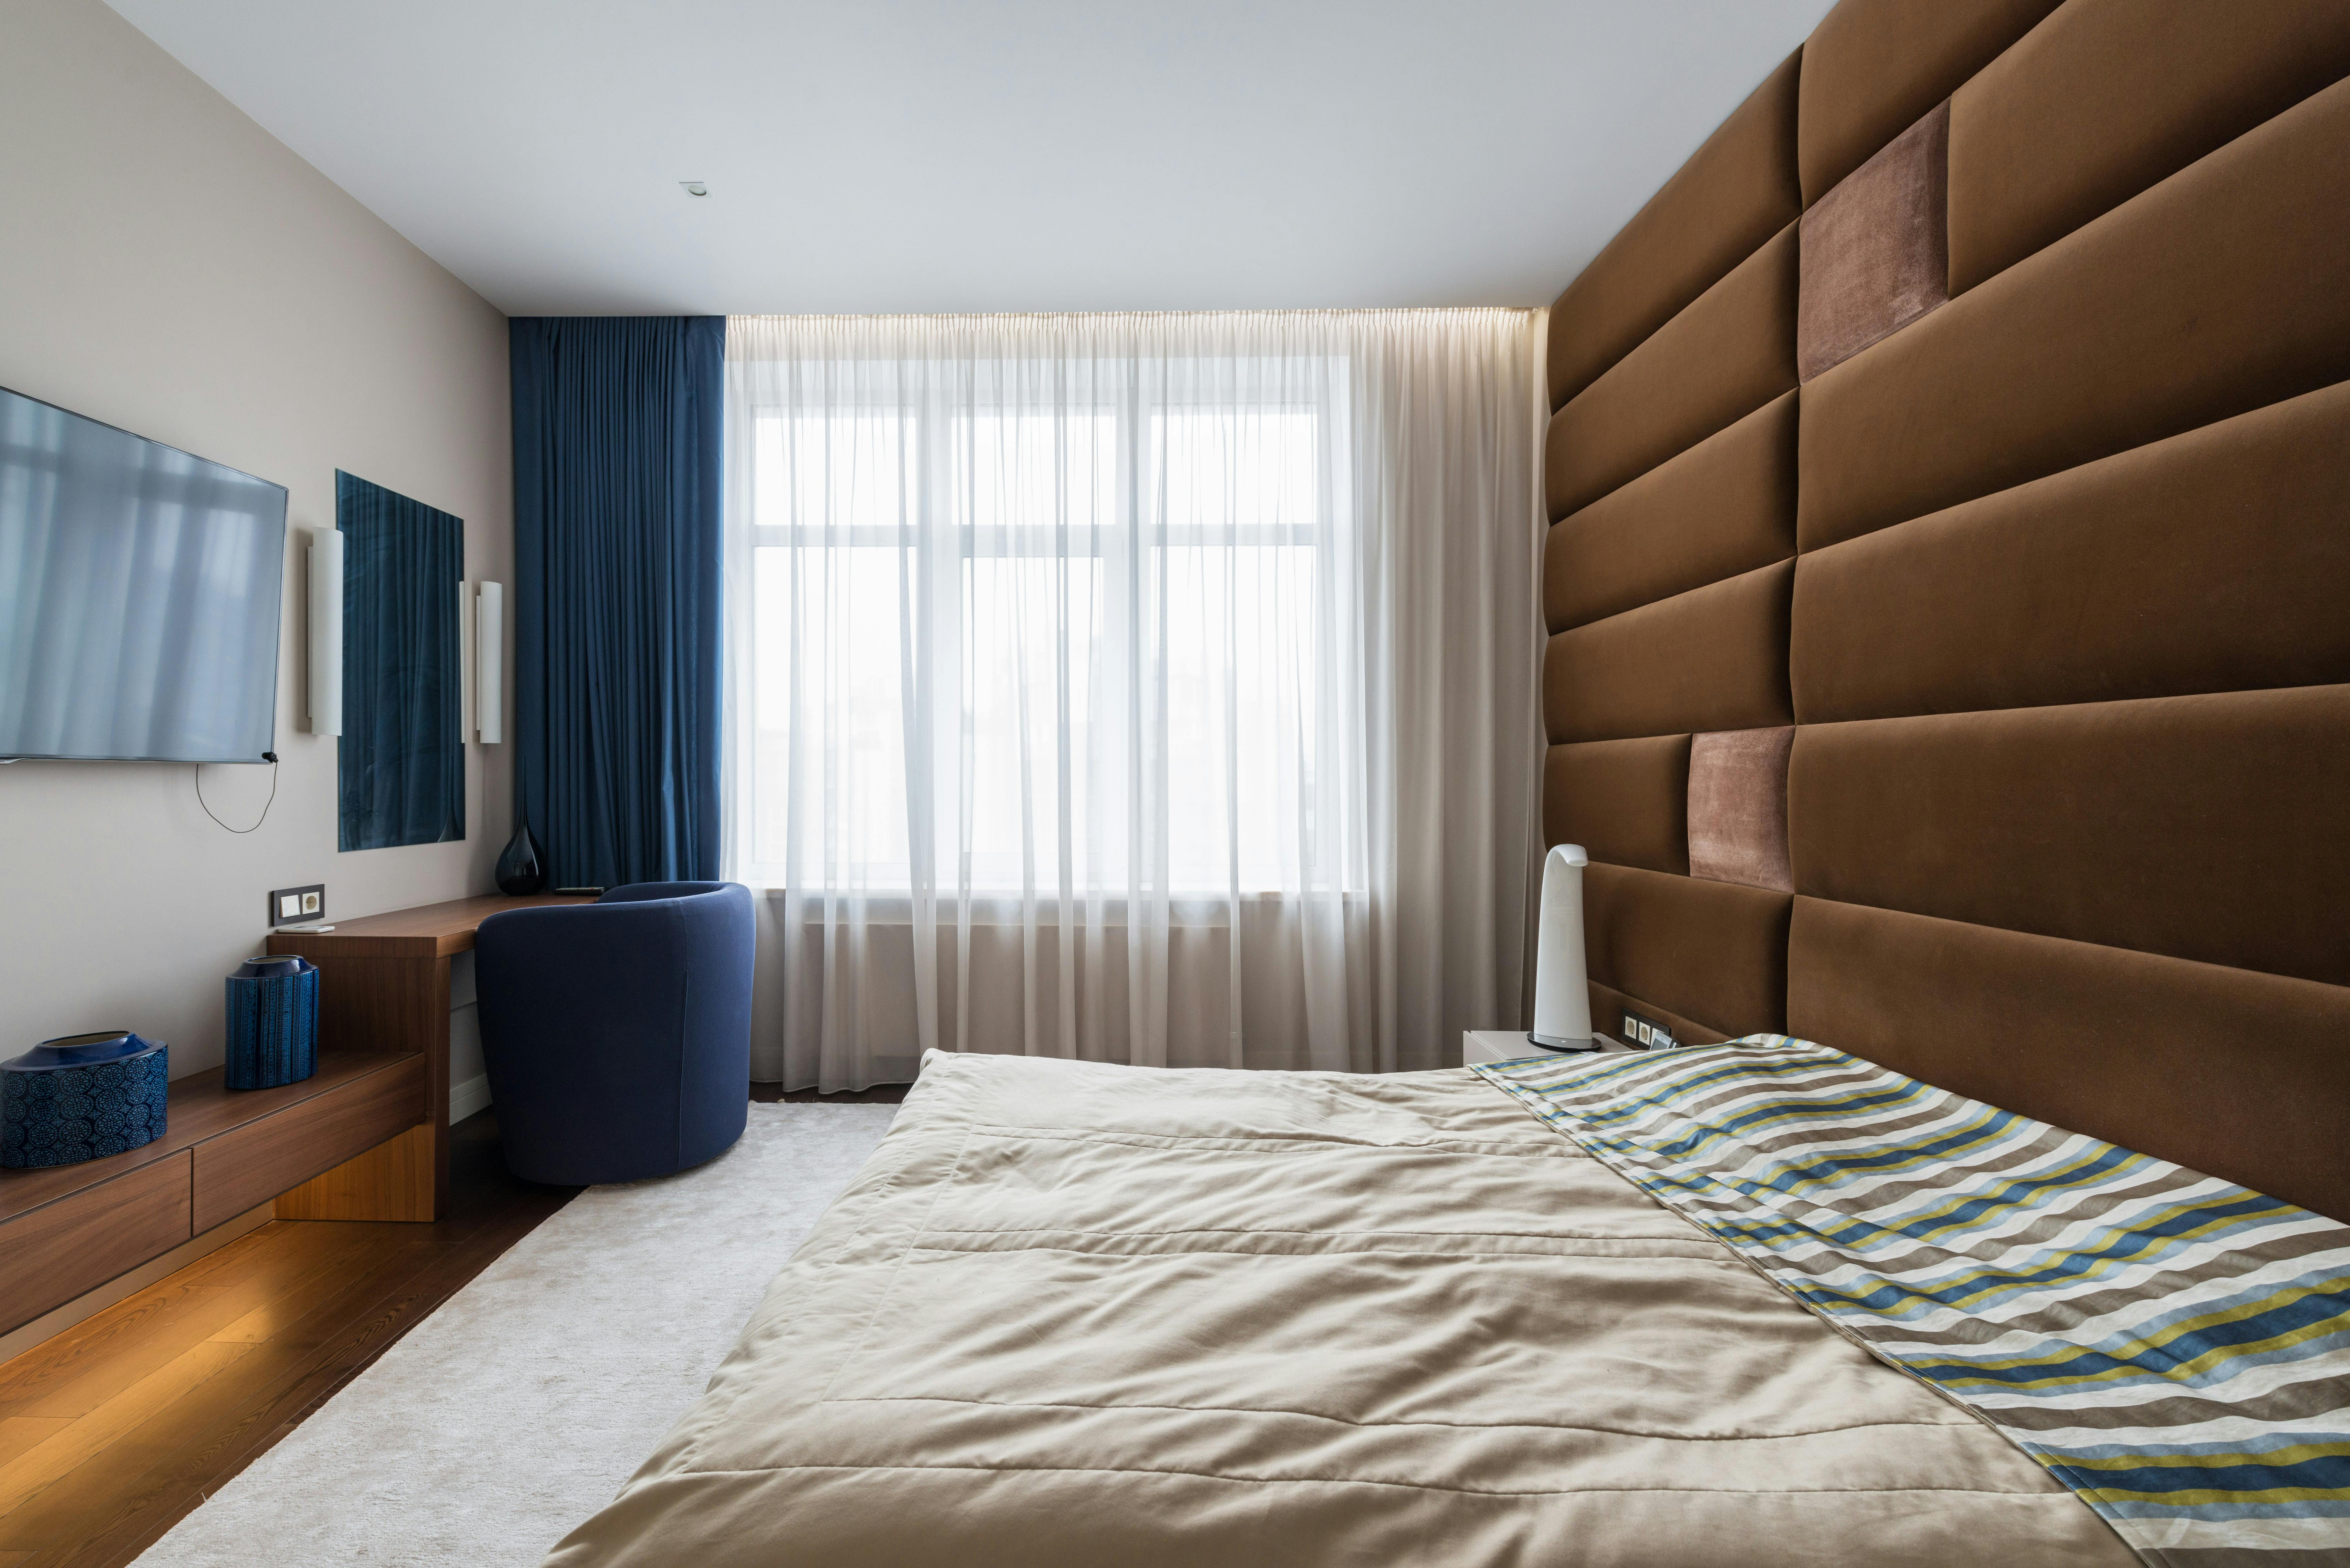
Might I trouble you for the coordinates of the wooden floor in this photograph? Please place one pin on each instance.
(114, 1429)
(772, 1094)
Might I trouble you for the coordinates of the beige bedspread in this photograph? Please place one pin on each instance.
(1121, 1318)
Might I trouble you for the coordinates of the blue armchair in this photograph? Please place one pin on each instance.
(618, 1033)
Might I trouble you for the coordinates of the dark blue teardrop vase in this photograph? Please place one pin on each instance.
(519, 868)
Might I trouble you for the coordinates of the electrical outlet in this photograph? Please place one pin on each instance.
(1647, 1034)
(294, 906)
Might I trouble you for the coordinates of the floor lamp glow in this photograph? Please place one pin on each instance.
(326, 586)
(1562, 997)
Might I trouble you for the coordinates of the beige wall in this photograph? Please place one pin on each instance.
(167, 267)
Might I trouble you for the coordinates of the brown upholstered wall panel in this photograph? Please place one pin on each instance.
(2234, 1074)
(1724, 507)
(1626, 802)
(2217, 291)
(2214, 561)
(1607, 1005)
(2212, 827)
(1737, 807)
(1872, 67)
(1711, 952)
(1729, 353)
(1875, 255)
(2108, 96)
(1712, 658)
(1735, 193)
(2067, 633)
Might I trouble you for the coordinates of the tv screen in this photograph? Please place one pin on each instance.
(139, 594)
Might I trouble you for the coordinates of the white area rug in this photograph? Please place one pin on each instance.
(519, 1407)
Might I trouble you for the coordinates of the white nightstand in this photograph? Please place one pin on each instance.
(1508, 1046)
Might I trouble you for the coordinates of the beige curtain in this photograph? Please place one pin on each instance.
(1139, 687)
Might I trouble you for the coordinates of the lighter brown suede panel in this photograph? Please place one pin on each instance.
(2237, 1075)
(1726, 506)
(1737, 807)
(2109, 97)
(2214, 561)
(1711, 952)
(1729, 353)
(1872, 66)
(2212, 827)
(1712, 658)
(2215, 292)
(1876, 255)
(1735, 193)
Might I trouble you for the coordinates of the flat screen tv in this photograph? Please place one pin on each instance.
(139, 595)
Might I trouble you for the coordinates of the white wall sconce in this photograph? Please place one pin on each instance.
(490, 663)
(325, 586)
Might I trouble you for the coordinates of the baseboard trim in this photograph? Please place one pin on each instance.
(56, 1320)
(468, 1098)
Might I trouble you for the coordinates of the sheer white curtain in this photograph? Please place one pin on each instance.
(1139, 687)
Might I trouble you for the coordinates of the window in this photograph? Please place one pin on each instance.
(993, 641)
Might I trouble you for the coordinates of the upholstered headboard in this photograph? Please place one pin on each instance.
(1949, 574)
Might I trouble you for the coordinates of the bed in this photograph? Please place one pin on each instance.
(1086, 1314)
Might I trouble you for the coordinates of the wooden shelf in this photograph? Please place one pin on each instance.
(202, 1108)
(432, 930)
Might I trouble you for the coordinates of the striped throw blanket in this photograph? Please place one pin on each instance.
(2175, 1348)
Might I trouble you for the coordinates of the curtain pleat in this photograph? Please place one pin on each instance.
(618, 433)
(1156, 689)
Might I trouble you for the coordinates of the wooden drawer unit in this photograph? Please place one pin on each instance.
(254, 1163)
(75, 1244)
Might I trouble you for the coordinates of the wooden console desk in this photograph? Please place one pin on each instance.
(384, 987)
(366, 1138)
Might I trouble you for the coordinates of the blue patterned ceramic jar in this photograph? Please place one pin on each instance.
(82, 1098)
(273, 1022)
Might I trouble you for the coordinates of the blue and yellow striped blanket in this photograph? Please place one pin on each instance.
(2174, 1348)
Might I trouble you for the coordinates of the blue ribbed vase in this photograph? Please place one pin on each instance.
(82, 1098)
(273, 1022)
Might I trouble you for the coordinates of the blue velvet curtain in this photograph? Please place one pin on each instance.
(401, 758)
(618, 489)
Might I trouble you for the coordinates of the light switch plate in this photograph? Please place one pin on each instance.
(294, 906)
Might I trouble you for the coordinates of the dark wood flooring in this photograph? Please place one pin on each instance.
(771, 1094)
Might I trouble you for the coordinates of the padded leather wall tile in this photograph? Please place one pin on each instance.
(1724, 507)
(1607, 1005)
(1711, 952)
(1712, 658)
(1626, 802)
(2241, 1076)
(1872, 66)
(2214, 561)
(2213, 828)
(1737, 807)
(1875, 253)
(2217, 291)
(1729, 353)
(2108, 96)
(1735, 193)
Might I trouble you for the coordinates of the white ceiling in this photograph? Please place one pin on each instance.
(952, 155)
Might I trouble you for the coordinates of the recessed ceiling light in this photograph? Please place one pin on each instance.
(693, 187)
